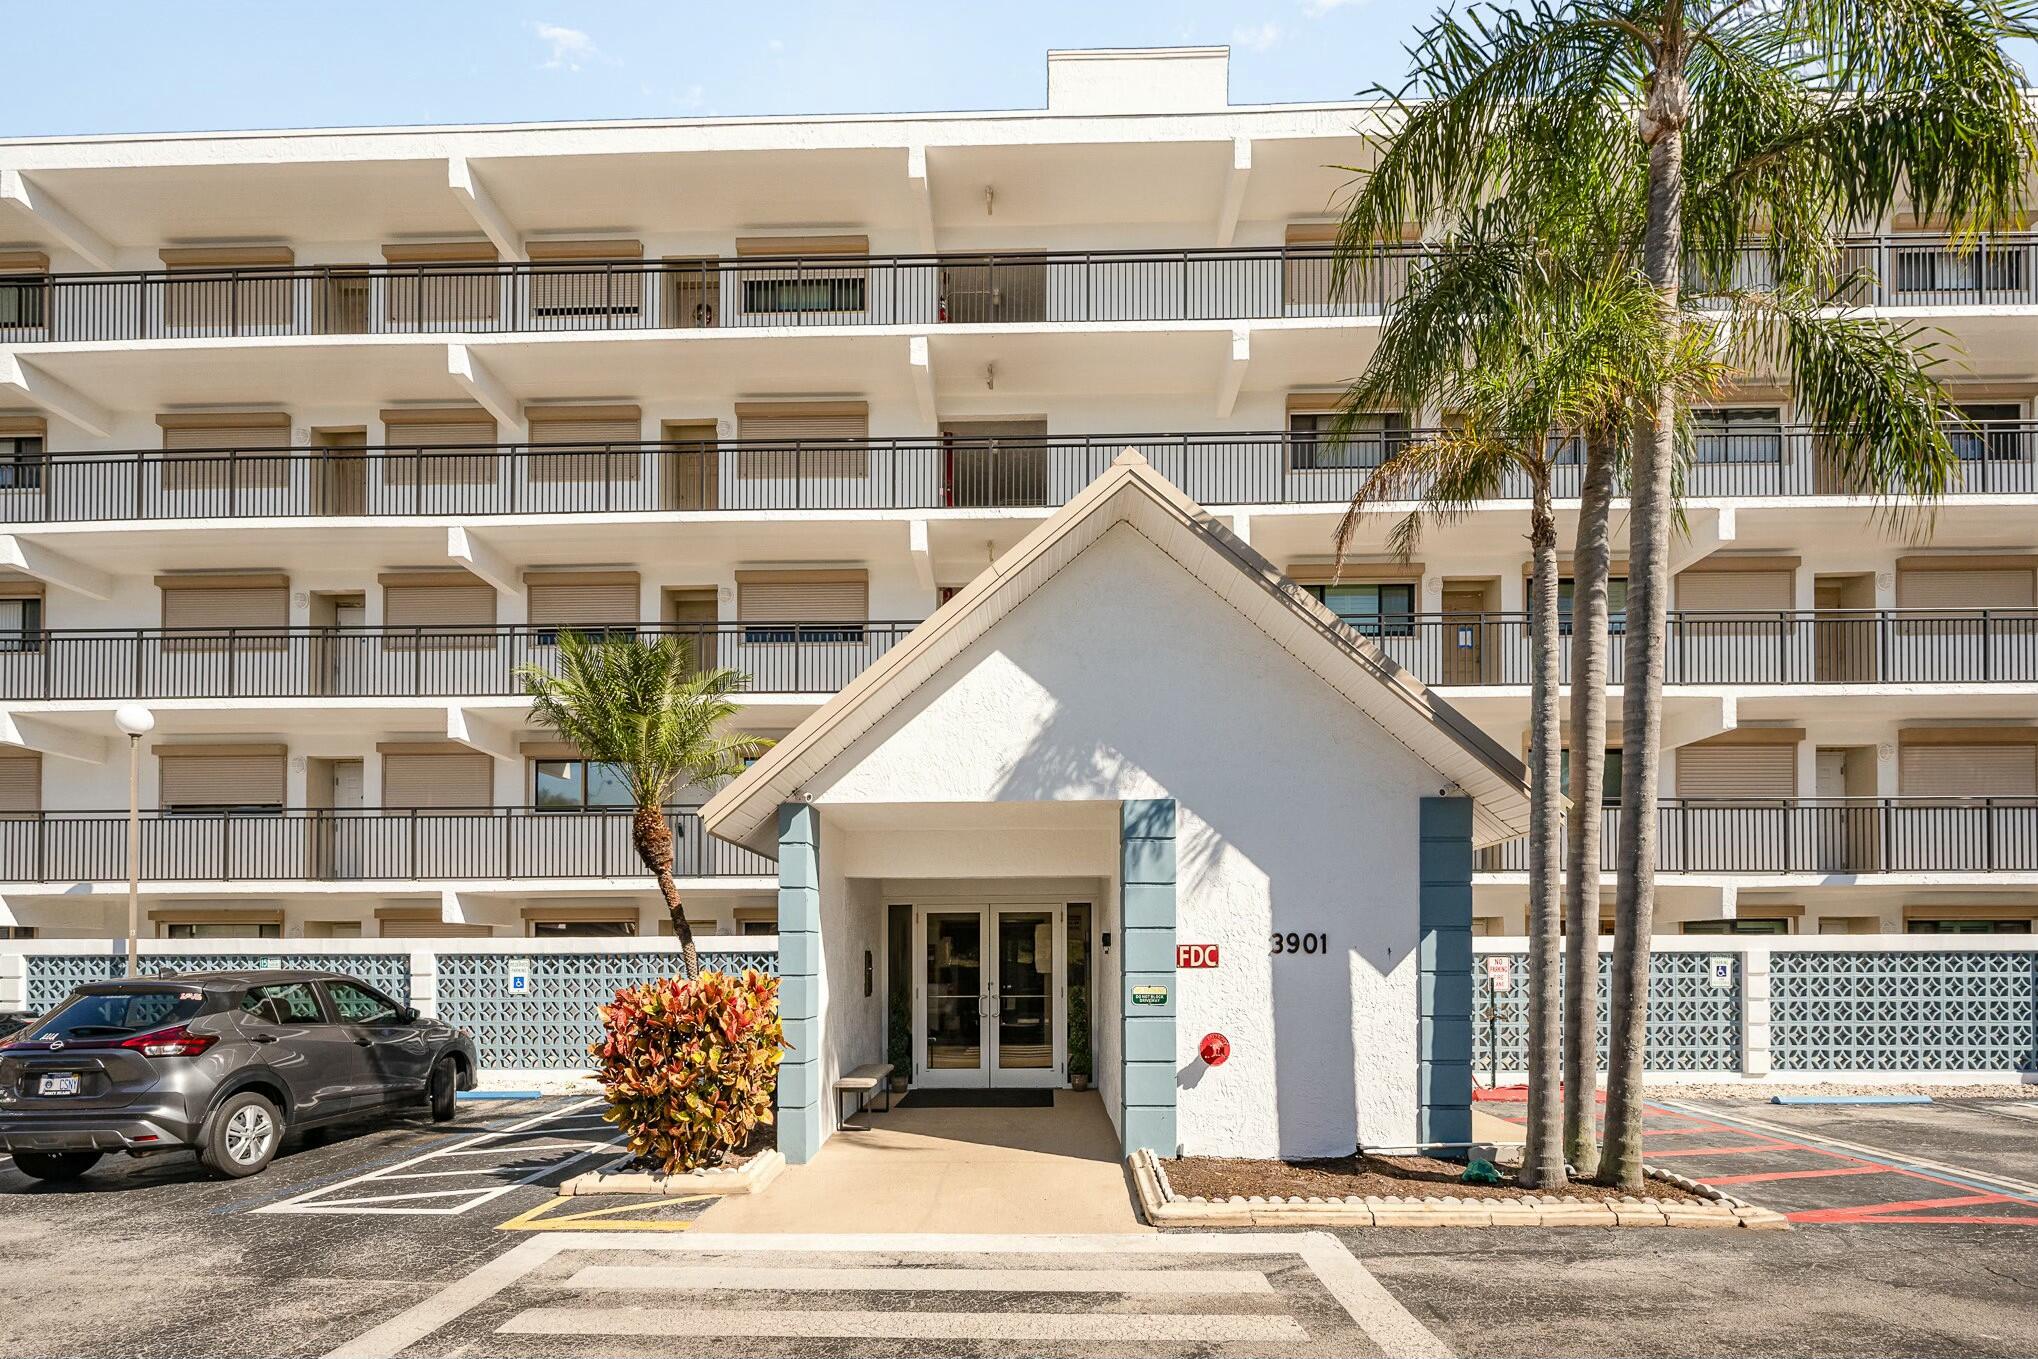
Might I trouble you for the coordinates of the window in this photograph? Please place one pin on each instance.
(1372, 440)
(21, 460)
(752, 929)
(356, 1004)
(1738, 434)
(1977, 926)
(295, 1003)
(115, 1014)
(577, 785)
(1609, 793)
(1742, 925)
(767, 295)
(1616, 605)
(583, 929)
(23, 302)
(221, 929)
(20, 625)
(1383, 609)
(1987, 433)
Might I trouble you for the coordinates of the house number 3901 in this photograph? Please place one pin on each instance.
(1291, 942)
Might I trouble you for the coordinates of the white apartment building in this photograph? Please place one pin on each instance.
(309, 439)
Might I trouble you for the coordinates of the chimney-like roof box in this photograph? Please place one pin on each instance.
(1139, 80)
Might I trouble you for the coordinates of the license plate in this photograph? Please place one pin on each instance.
(57, 1085)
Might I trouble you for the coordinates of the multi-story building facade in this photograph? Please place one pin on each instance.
(308, 440)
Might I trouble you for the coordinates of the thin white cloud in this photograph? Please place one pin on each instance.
(1316, 9)
(1256, 37)
(568, 49)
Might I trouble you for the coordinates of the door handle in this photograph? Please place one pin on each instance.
(364, 1042)
(262, 1038)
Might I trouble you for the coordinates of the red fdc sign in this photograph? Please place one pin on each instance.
(1195, 955)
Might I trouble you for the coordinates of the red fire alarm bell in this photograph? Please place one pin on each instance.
(1214, 1049)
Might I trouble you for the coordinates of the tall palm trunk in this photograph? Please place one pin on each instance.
(1543, 1162)
(1589, 563)
(1662, 123)
(653, 839)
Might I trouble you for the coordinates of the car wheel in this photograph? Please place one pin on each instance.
(246, 1130)
(444, 1085)
(55, 1165)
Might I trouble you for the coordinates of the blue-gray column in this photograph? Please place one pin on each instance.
(1444, 963)
(800, 1079)
(1147, 878)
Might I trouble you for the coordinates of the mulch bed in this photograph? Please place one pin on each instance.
(763, 1138)
(1361, 1175)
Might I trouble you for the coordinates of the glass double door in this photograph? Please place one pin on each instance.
(989, 1000)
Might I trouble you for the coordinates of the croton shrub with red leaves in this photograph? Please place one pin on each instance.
(690, 1067)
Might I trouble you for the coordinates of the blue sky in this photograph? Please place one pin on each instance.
(97, 65)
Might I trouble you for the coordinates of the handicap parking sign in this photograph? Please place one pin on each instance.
(1721, 973)
(520, 976)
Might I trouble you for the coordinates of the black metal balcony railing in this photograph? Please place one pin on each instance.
(1838, 836)
(384, 845)
(978, 288)
(1825, 836)
(1214, 468)
(1828, 646)
(404, 662)
(1840, 646)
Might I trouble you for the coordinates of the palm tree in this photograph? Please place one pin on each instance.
(1761, 132)
(1518, 340)
(642, 708)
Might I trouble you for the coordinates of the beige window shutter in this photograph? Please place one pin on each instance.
(1726, 591)
(20, 784)
(1737, 771)
(216, 298)
(802, 596)
(444, 297)
(432, 431)
(213, 604)
(14, 425)
(437, 780)
(559, 289)
(1967, 770)
(431, 927)
(583, 599)
(790, 422)
(803, 245)
(447, 599)
(586, 425)
(222, 432)
(1984, 588)
(221, 776)
(227, 257)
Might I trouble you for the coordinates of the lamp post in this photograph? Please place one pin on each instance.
(137, 722)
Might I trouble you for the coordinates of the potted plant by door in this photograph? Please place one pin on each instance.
(1079, 1037)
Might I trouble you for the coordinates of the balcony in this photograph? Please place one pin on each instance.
(1829, 646)
(1824, 836)
(385, 845)
(858, 475)
(988, 288)
(413, 662)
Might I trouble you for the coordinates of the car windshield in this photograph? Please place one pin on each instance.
(115, 1014)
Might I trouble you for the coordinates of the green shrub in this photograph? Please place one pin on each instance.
(690, 1068)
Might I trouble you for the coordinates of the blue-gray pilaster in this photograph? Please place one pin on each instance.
(800, 1078)
(1147, 959)
(1444, 972)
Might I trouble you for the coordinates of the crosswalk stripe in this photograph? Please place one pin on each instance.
(1149, 1327)
(914, 1279)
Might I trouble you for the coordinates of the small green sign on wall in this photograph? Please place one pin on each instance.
(1149, 995)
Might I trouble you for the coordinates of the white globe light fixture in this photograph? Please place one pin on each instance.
(137, 722)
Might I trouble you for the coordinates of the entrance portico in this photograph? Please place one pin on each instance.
(1130, 733)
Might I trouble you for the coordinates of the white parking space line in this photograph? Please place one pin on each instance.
(1040, 1327)
(643, 1278)
(549, 1153)
(703, 1261)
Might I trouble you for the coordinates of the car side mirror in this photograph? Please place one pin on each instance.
(406, 1015)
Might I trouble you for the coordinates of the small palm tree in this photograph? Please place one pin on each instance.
(642, 708)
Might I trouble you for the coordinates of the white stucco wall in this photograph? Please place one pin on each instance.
(1123, 677)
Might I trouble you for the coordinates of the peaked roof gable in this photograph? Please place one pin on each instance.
(1131, 491)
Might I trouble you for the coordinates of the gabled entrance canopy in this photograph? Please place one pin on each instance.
(1131, 492)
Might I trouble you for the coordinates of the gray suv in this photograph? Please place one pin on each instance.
(223, 1063)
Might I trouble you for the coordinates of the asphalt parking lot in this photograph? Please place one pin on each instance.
(1917, 1232)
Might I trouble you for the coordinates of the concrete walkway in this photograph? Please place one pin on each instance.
(952, 1170)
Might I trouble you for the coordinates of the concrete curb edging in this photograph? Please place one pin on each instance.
(751, 1178)
(1162, 1207)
